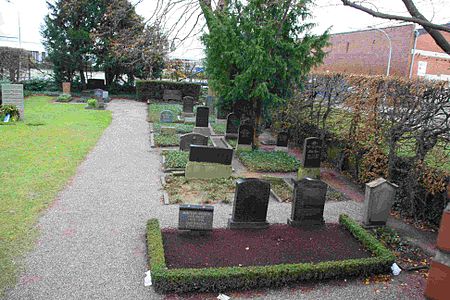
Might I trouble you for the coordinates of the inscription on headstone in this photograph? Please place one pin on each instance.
(308, 203)
(202, 117)
(188, 139)
(232, 125)
(207, 154)
(379, 197)
(282, 139)
(251, 201)
(311, 155)
(166, 116)
(245, 135)
(66, 87)
(195, 217)
(172, 95)
(13, 94)
(188, 104)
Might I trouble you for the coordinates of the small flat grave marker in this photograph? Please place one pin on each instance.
(311, 155)
(251, 201)
(195, 217)
(166, 116)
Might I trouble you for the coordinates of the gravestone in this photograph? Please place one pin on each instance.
(188, 107)
(93, 84)
(312, 148)
(208, 154)
(251, 201)
(188, 139)
(195, 217)
(13, 94)
(282, 139)
(202, 118)
(166, 116)
(232, 128)
(168, 130)
(105, 96)
(308, 203)
(66, 87)
(245, 136)
(379, 197)
(99, 96)
(210, 104)
(172, 95)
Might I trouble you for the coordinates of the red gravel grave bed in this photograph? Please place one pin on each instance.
(279, 244)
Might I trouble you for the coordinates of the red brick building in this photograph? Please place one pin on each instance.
(367, 52)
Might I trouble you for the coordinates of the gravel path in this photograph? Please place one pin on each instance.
(92, 242)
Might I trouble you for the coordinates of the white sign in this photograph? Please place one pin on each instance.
(422, 68)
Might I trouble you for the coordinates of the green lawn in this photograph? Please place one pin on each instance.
(36, 161)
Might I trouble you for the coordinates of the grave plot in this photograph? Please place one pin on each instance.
(268, 161)
(226, 259)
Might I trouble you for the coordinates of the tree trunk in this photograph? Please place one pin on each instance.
(82, 79)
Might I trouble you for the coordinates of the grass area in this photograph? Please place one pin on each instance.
(232, 143)
(280, 187)
(36, 161)
(199, 191)
(155, 109)
(180, 127)
(265, 161)
(166, 140)
(219, 128)
(175, 159)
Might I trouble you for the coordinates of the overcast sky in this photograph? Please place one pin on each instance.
(327, 13)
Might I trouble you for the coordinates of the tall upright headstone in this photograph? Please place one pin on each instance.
(282, 141)
(66, 87)
(251, 201)
(188, 107)
(202, 121)
(311, 157)
(308, 202)
(232, 127)
(13, 94)
(245, 136)
(379, 197)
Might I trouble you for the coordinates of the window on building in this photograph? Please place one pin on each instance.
(348, 46)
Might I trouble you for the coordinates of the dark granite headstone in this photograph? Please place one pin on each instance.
(93, 84)
(166, 116)
(308, 203)
(232, 124)
(312, 148)
(172, 95)
(245, 135)
(195, 217)
(251, 201)
(282, 139)
(188, 139)
(207, 154)
(188, 104)
(202, 117)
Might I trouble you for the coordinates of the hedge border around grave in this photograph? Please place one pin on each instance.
(241, 278)
(154, 89)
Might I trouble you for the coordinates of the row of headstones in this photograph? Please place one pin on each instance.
(252, 199)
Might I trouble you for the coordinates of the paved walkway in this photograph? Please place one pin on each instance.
(92, 242)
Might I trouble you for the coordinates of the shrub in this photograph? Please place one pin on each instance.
(239, 278)
(40, 85)
(154, 89)
(166, 140)
(176, 159)
(64, 98)
(92, 103)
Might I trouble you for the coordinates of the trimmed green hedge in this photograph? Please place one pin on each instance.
(240, 278)
(154, 89)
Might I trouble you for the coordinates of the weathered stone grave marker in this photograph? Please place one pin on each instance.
(166, 116)
(195, 217)
(209, 162)
(245, 136)
(311, 156)
(379, 197)
(251, 201)
(202, 121)
(175, 95)
(308, 203)
(282, 141)
(66, 87)
(232, 128)
(99, 96)
(188, 139)
(13, 94)
(188, 107)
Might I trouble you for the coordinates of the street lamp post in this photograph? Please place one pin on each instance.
(390, 49)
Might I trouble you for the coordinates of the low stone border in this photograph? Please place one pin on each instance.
(273, 194)
(241, 278)
(152, 138)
